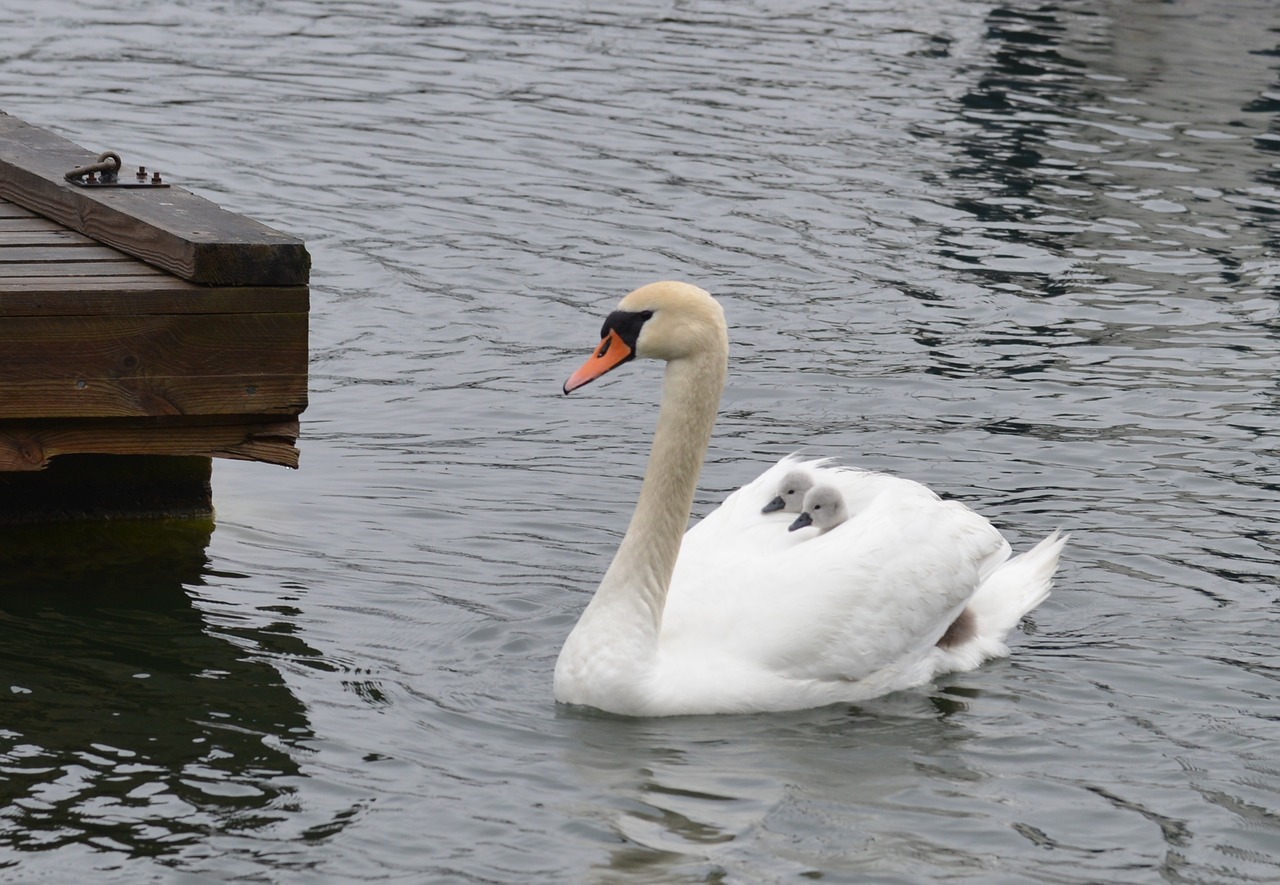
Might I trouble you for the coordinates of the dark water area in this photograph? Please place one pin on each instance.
(117, 697)
(1023, 252)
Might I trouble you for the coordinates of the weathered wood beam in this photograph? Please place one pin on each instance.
(180, 364)
(171, 228)
(14, 266)
(27, 446)
(57, 290)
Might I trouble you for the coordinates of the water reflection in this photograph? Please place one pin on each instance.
(1116, 181)
(688, 801)
(127, 724)
(1100, 150)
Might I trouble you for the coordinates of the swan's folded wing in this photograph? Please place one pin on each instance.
(853, 604)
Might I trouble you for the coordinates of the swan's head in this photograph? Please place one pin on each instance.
(662, 321)
(791, 492)
(823, 508)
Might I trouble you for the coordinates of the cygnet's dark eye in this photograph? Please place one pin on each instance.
(817, 506)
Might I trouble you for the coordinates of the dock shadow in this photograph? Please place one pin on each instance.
(127, 723)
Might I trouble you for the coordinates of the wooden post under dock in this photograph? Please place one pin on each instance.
(143, 331)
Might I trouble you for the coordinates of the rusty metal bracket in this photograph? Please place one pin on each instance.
(106, 173)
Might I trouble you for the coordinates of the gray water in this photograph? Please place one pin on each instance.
(1023, 252)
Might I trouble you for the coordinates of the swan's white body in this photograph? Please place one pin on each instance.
(740, 615)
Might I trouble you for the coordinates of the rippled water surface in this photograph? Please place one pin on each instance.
(1026, 253)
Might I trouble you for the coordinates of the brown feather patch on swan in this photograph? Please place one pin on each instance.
(962, 629)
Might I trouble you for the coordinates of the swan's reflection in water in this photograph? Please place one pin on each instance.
(694, 787)
(127, 724)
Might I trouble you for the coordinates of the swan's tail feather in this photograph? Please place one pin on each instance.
(1001, 601)
(1017, 587)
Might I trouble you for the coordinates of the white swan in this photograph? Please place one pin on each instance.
(722, 619)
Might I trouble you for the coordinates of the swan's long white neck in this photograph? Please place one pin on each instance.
(627, 607)
(644, 562)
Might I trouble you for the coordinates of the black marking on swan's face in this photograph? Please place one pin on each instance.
(627, 323)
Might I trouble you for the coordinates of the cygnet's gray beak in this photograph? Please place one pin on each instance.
(776, 504)
(802, 520)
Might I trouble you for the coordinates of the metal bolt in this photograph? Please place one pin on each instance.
(155, 179)
(142, 173)
(91, 178)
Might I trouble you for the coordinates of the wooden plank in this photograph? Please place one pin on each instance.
(171, 228)
(118, 366)
(26, 222)
(35, 296)
(56, 236)
(11, 210)
(75, 272)
(85, 252)
(267, 395)
(29, 445)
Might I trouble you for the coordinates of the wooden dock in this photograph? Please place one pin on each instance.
(145, 323)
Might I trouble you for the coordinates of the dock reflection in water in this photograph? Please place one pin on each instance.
(145, 730)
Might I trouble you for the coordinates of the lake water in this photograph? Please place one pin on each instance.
(1024, 252)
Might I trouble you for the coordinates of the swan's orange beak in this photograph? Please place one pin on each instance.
(611, 353)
